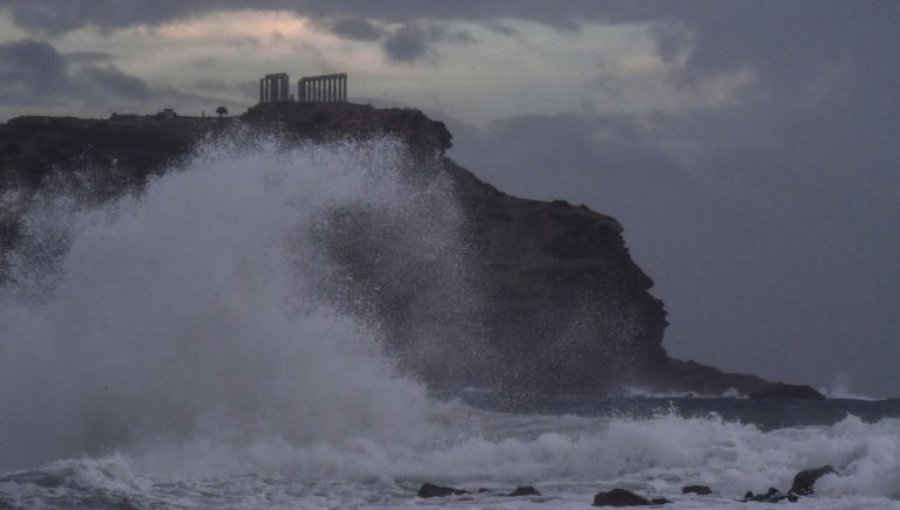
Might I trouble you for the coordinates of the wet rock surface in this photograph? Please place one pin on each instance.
(524, 490)
(430, 490)
(806, 479)
(625, 498)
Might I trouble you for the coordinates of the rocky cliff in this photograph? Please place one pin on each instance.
(554, 302)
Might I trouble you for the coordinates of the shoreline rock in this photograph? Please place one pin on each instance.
(622, 498)
(806, 479)
(430, 490)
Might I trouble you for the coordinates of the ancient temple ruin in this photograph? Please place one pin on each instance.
(274, 88)
(327, 88)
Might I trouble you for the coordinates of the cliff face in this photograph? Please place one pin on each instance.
(559, 306)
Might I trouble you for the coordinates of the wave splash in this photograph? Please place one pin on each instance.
(190, 331)
(196, 311)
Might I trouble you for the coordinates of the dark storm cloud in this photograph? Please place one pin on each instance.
(58, 16)
(406, 44)
(89, 57)
(410, 43)
(110, 81)
(355, 28)
(33, 74)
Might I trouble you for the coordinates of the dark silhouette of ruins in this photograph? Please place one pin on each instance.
(326, 88)
(275, 88)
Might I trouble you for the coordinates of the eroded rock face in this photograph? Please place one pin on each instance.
(545, 297)
(806, 479)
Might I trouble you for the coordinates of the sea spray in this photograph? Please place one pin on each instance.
(199, 345)
(192, 312)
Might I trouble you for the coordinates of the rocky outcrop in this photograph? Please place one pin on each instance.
(773, 495)
(667, 374)
(624, 498)
(524, 490)
(806, 479)
(553, 303)
(802, 486)
(430, 490)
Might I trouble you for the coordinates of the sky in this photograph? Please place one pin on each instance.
(750, 149)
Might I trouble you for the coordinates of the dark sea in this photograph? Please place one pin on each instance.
(173, 351)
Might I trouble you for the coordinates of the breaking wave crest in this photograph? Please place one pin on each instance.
(196, 310)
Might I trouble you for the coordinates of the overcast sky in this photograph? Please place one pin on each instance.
(750, 149)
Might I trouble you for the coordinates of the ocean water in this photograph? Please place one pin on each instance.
(182, 348)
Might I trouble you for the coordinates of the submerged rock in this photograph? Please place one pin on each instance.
(524, 490)
(702, 490)
(622, 498)
(773, 495)
(430, 490)
(804, 480)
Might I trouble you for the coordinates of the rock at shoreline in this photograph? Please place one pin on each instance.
(430, 490)
(773, 495)
(622, 498)
(702, 490)
(524, 490)
(806, 479)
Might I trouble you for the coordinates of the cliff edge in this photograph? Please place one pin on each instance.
(561, 307)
